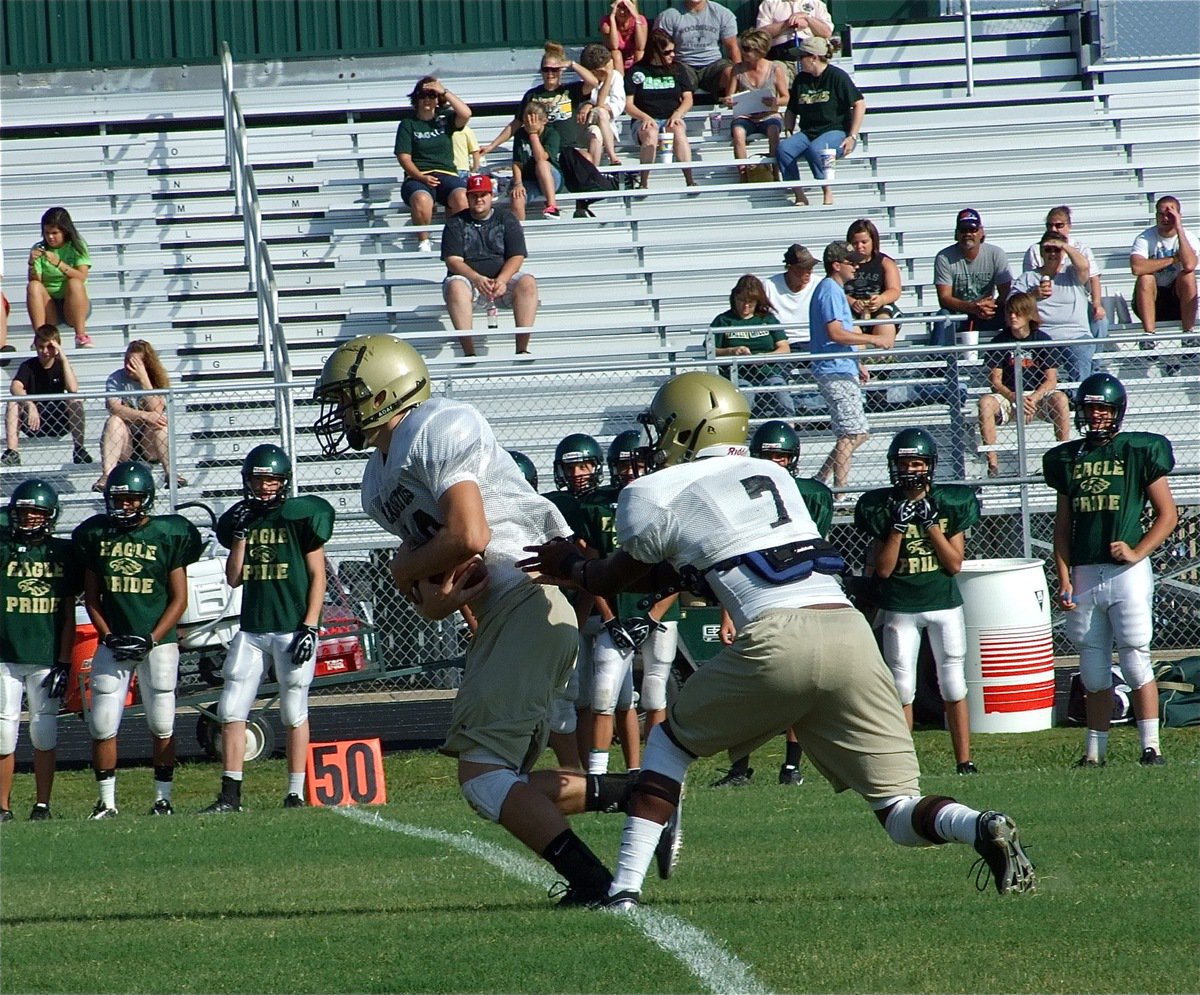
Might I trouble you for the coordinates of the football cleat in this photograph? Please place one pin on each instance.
(966, 767)
(221, 806)
(790, 775)
(1083, 763)
(293, 800)
(578, 897)
(39, 813)
(1001, 855)
(102, 811)
(734, 778)
(670, 843)
(6, 815)
(162, 806)
(622, 901)
(1151, 758)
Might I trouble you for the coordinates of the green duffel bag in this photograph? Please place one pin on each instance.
(1179, 692)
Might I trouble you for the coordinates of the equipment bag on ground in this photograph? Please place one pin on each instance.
(1179, 692)
(1077, 706)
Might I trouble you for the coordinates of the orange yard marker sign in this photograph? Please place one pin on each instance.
(348, 772)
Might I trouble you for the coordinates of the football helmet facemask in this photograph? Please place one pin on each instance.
(777, 438)
(574, 449)
(129, 479)
(364, 383)
(692, 413)
(32, 510)
(625, 458)
(1100, 390)
(266, 462)
(910, 443)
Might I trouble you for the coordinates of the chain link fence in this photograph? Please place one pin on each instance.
(211, 428)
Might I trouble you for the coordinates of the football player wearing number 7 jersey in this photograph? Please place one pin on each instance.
(440, 481)
(277, 556)
(723, 523)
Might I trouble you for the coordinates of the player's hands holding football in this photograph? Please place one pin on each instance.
(436, 598)
(1122, 552)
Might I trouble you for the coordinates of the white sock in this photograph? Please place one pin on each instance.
(1097, 745)
(162, 789)
(296, 784)
(1148, 731)
(956, 823)
(597, 762)
(638, 841)
(233, 775)
(108, 791)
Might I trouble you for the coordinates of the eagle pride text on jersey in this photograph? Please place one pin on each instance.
(37, 583)
(1107, 487)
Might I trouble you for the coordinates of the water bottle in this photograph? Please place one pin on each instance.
(666, 146)
(493, 315)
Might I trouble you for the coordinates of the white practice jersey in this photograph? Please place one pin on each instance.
(442, 443)
(701, 513)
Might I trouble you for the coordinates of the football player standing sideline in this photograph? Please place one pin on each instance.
(1102, 556)
(734, 526)
(277, 556)
(135, 591)
(917, 527)
(440, 481)
(39, 578)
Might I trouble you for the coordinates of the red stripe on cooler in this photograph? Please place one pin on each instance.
(1019, 697)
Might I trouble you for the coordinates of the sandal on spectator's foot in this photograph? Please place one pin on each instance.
(99, 485)
(83, 341)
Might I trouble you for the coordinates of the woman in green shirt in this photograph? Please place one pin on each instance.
(750, 327)
(58, 271)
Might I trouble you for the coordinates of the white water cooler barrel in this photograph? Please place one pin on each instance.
(1010, 653)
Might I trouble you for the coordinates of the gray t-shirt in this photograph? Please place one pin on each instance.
(1065, 313)
(698, 34)
(969, 280)
(120, 380)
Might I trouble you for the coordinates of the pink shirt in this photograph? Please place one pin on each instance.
(628, 52)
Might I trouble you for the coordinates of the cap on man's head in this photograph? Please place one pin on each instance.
(798, 255)
(815, 46)
(843, 252)
(968, 220)
(479, 183)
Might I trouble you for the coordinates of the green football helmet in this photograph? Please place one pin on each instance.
(912, 442)
(29, 498)
(1100, 390)
(129, 479)
(625, 458)
(528, 470)
(691, 413)
(578, 448)
(363, 385)
(270, 461)
(777, 438)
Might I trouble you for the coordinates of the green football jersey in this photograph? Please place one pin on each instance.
(920, 582)
(38, 583)
(1107, 487)
(134, 567)
(275, 577)
(818, 499)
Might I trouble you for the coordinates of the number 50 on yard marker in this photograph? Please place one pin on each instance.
(348, 772)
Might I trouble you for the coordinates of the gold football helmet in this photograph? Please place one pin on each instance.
(692, 412)
(366, 382)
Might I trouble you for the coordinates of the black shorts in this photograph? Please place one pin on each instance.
(55, 421)
(1166, 304)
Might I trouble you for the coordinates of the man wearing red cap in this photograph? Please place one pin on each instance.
(483, 249)
(972, 278)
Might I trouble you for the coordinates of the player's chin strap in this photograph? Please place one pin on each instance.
(786, 564)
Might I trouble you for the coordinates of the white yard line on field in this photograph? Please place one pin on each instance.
(715, 967)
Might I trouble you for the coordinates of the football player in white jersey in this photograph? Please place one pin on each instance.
(717, 520)
(440, 481)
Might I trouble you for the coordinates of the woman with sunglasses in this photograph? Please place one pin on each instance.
(657, 98)
(425, 150)
(1059, 220)
(1060, 286)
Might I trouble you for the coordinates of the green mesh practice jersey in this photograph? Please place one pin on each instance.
(1107, 487)
(38, 583)
(275, 577)
(818, 499)
(134, 567)
(919, 583)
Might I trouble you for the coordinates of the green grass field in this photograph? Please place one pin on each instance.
(779, 889)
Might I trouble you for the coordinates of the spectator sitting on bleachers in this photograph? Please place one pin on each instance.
(825, 112)
(658, 98)
(137, 426)
(625, 31)
(58, 272)
(765, 83)
(972, 278)
(750, 328)
(789, 22)
(50, 372)
(1039, 379)
(483, 248)
(425, 150)
(876, 285)
(1163, 259)
(1059, 220)
(790, 293)
(535, 157)
(608, 103)
(565, 104)
(1062, 299)
(699, 30)
(468, 154)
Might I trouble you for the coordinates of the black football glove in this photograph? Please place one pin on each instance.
(622, 640)
(242, 515)
(904, 513)
(926, 513)
(639, 628)
(304, 644)
(55, 682)
(125, 648)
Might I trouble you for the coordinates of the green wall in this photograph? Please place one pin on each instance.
(41, 35)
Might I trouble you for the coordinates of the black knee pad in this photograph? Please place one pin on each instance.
(657, 786)
(924, 816)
